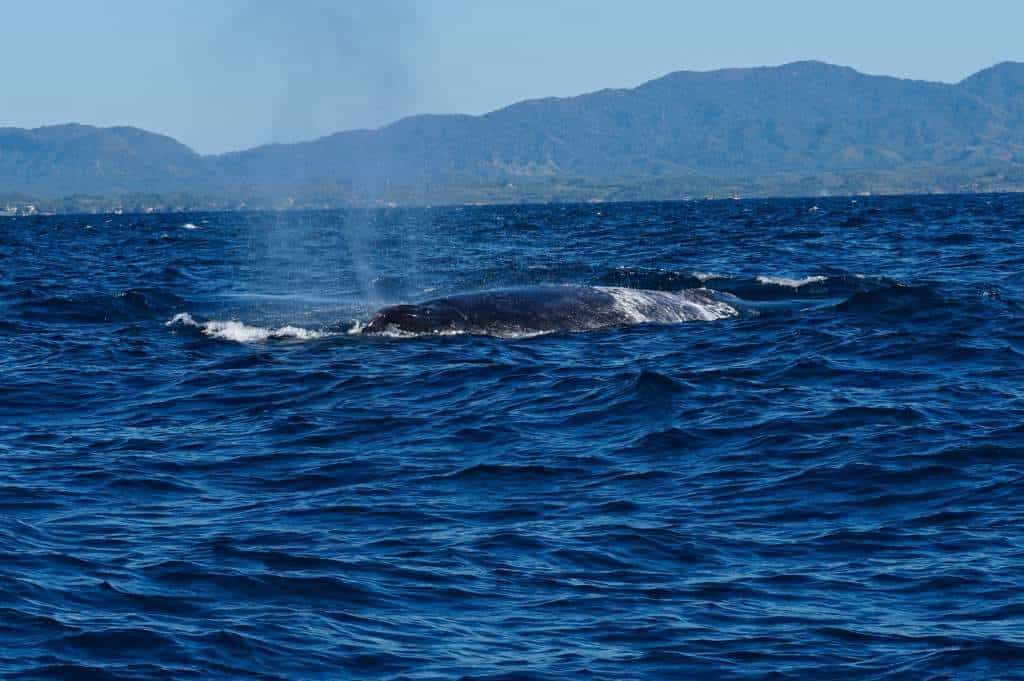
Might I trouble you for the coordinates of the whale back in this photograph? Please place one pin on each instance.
(541, 309)
(503, 311)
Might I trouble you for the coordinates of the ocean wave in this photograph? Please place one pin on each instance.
(123, 306)
(280, 501)
(243, 333)
(899, 301)
(708, 276)
(652, 279)
(791, 283)
(829, 283)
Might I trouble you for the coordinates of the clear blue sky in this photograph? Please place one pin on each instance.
(228, 74)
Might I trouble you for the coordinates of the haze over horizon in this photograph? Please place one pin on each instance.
(236, 75)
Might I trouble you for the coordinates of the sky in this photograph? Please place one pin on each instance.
(223, 75)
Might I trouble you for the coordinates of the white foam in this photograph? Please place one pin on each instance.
(667, 307)
(243, 333)
(707, 276)
(189, 225)
(791, 283)
(393, 331)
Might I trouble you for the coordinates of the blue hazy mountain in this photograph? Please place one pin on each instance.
(772, 123)
(66, 159)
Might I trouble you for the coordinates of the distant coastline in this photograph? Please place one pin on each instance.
(801, 129)
(186, 205)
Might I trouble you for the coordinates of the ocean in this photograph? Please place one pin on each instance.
(207, 471)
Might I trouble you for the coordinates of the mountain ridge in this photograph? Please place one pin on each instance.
(736, 125)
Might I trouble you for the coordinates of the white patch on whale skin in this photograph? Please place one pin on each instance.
(668, 307)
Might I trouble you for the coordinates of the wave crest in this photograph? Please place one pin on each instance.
(243, 333)
(791, 283)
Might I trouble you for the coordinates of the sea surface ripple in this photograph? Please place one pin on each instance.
(205, 474)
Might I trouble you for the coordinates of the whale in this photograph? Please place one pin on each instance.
(530, 310)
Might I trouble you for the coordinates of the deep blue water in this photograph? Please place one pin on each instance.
(828, 484)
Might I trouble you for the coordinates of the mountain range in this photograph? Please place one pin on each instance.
(797, 128)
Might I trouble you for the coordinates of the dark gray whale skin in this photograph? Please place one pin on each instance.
(507, 310)
(531, 309)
